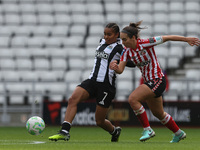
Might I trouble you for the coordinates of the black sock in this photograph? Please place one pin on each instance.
(66, 126)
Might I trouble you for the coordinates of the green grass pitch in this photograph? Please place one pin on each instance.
(94, 138)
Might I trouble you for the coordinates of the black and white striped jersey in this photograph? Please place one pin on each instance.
(106, 53)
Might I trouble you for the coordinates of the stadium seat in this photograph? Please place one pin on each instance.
(92, 41)
(59, 64)
(173, 62)
(62, 19)
(45, 19)
(192, 6)
(53, 42)
(113, 8)
(78, 30)
(176, 6)
(4, 42)
(36, 42)
(94, 8)
(10, 76)
(41, 64)
(59, 30)
(27, 8)
(7, 64)
(127, 74)
(28, 76)
(129, 7)
(90, 52)
(12, 19)
(15, 99)
(43, 8)
(47, 76)
(176, 28)
(85, 75)
(189, 51)
(6, 31)
(24, 64)
(78, 8)
(6, 53)
(79, 19)
(61, 8)
(162, 51)
(147, 17)
(160, 18)
(144, 7)
(73, 41)
(96, 19)
(193, 28)
(19, 42)
(176, 51)
(57, 53)
(160, 7)
(76, 63)
(42, 30)
(72, 76)
(29, 19)
(113, 17)
(96, 30)
(127, 18)
(124, 88)
(163, 62)
(18, 87)
(176, 17)
(192, 74)
(89, 63)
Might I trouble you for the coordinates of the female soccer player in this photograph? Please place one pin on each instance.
(141, 52)
(100, 85)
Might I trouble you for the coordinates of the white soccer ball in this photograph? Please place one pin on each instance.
(35, 125)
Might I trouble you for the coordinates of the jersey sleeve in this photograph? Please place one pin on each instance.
(153, 41)
(124, 55)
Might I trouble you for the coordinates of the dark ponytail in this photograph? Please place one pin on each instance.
(133, 29)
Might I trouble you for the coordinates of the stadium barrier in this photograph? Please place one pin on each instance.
(120, 113)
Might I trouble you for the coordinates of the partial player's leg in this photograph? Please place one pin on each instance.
(100, 116)
(139, 95)
(156, 106)
(78, 95)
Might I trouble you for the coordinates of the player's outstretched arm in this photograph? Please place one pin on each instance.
(190, 40)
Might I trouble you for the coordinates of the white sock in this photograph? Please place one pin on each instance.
(178, 132)
(147, 128)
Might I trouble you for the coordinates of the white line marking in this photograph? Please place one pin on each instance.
(19, 142)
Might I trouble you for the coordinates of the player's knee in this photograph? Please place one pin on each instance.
(132, 100)
(72, 101)
(99, 122)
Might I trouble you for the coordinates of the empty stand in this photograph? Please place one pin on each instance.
(45, 42)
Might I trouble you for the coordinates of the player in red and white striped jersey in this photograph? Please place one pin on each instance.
(141, 52)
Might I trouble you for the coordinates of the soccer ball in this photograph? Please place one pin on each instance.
(35, 125)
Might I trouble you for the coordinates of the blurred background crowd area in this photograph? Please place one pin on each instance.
(47, 47)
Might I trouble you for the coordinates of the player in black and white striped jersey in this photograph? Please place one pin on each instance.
(100, 85)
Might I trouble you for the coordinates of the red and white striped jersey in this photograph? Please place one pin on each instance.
(144, 57)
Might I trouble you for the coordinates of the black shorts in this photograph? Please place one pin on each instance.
(104, 93)
(157, 85)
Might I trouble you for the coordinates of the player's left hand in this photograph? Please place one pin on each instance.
(193, 41)
(113, 65)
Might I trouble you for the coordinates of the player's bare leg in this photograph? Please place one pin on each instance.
(139, 95)
(156, 107)
(78, 95)
(100, 116)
